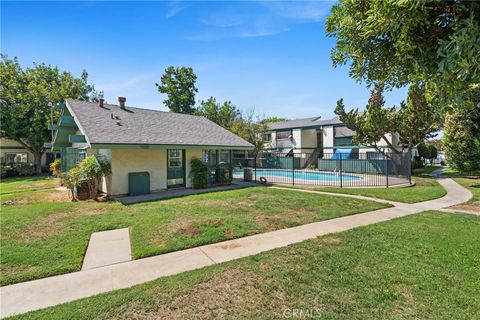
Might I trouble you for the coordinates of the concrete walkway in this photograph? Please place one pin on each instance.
(181, 192)
(42, 293)
(107, 247)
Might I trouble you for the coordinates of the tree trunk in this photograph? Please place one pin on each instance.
(37, 160)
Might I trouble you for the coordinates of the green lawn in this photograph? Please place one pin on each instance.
(426, 171)
(474, 186)
(425, 189)
(43, 234)
(424, 266)
(455, 172)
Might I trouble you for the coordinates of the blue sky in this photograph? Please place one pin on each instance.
(273, 57)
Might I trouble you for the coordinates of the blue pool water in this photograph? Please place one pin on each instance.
(299, 174)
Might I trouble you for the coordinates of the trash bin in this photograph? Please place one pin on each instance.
(247, 174)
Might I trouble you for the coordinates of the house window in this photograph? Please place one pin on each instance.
(209, 157)
(286, 134)
(224, 157)
(267, 137)
(17, 157)
(82, 155)
(175, 158)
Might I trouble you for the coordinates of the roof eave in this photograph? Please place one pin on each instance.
(165, 146)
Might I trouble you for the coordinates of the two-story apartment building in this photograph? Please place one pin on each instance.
(319, 137)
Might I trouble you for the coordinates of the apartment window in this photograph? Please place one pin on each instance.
(16, 157)
(375, 155)
(284, 134)
(342, 141)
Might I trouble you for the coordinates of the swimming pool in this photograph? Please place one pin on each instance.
(308, 175)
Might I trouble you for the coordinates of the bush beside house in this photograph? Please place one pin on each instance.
(18, 169)
(83, 179)
(201, 175)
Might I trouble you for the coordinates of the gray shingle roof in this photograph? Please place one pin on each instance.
(303, 123)
(145, 126)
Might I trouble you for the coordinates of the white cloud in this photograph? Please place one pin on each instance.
(175, 7)
(257, 19)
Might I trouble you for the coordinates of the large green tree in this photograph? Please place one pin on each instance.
(251, 128)
(414, 121)
(25, 99)
(179, 86)
(224, 114)
(462, 137)
(400, 43)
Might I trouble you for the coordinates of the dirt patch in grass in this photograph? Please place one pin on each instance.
(41, 231)
(404, 307)
(59, 196)
(189, 229)
(475, 207)
(229, 292)
(281, 220)
(54, 217)
(331, 240)
(156, 242)
(16, 201)
(405, 292)
(13, 270)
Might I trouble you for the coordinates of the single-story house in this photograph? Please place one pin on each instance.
(12, 152)
(140, 141)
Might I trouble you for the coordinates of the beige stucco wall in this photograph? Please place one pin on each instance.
(154, 161)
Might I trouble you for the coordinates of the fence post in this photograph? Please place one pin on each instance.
(341, 169)
(255, 167)
(386, 167)
(409, 155)
(293, 169)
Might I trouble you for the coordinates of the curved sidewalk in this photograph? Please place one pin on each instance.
(42, 293)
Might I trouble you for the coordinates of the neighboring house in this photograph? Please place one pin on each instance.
(140, 142)
(12, 152)
(315, 137)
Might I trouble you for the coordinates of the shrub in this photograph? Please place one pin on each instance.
(5, 170)
(88, 172)
(25, 169)
(223, 174)
(417, 163)
(71, 180)
(56, 167)
(198, 173)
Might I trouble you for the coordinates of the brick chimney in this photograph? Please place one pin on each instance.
(100, 102)
(121, 102)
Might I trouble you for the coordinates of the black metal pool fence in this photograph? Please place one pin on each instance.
(360, 169)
